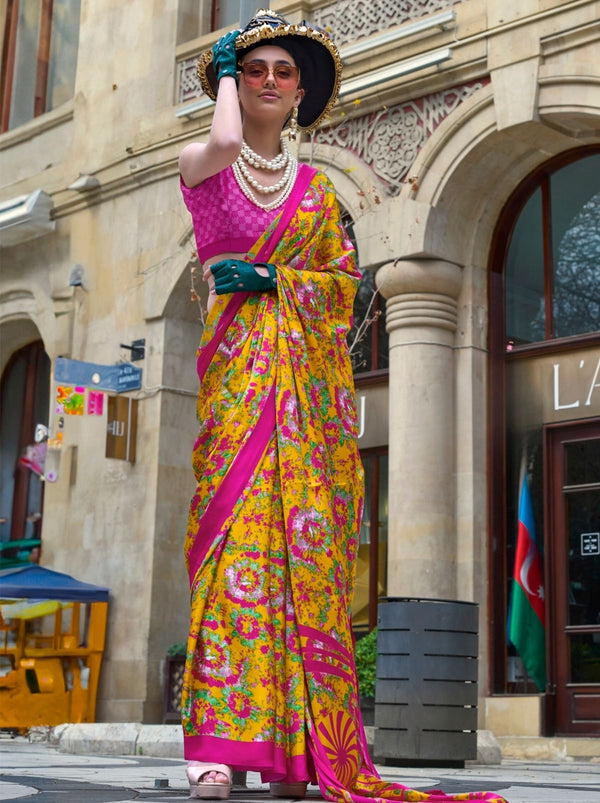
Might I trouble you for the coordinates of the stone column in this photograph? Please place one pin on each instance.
(421, 320)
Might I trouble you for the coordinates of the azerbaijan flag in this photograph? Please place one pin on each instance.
(527, 614)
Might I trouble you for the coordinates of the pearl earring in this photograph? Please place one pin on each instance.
(293, 128)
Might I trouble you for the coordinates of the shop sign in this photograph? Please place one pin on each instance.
(372, 409)
(117, 378)
(553, 388)
(590, 543)
(569, 398)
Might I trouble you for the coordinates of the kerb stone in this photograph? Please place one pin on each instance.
(164, 741)
(102, 738)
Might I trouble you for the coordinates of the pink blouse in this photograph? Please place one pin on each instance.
(224, 219)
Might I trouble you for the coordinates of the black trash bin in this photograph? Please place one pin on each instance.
(426, 689)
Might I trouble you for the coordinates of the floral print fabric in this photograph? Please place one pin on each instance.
(270, 682)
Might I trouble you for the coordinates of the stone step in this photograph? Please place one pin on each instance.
(550, 748)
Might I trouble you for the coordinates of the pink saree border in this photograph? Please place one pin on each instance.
(244, 464)
(303, 179)
(320, 667)
(320, 653)
(310, 633)
(227, 316)
(264, 757)
(229, 491)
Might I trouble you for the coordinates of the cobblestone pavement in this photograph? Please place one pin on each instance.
(38, 770)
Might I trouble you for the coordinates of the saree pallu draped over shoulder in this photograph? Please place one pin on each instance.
(270, 682)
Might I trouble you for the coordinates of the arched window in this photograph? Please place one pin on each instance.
(24, 402)
(544, 413)
(368, 338)
(368, 341)
(552, 272)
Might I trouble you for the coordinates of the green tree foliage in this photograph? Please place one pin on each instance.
(366, 657)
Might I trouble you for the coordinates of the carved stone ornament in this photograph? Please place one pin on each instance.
(189, 83)
(348, 20)
(389, 140)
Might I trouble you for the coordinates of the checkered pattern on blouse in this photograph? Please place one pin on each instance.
(224, 219)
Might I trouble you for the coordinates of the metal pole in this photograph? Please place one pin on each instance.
(248, 9)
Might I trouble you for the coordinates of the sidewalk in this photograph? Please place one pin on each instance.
(38, 771)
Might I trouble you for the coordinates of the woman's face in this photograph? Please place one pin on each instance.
(269, 87)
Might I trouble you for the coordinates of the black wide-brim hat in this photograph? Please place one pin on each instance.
(313, 51)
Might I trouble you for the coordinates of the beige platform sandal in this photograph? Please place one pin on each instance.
(292, 790)
(208, 790)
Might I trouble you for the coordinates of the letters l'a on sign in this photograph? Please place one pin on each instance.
(121, 429)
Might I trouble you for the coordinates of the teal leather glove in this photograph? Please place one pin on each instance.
(225, 56)
(238, 276)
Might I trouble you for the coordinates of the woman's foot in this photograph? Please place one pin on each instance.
(209, 781)
(282, 789)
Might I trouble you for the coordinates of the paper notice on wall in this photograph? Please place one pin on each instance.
(70, 400)
(78, 400)
(94, 402)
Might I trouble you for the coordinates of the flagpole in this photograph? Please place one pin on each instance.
(522, 478)
(522, 471)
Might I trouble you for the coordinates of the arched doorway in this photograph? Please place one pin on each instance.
(545, 425)
(24, 402)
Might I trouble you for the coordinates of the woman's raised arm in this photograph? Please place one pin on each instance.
(199, 160)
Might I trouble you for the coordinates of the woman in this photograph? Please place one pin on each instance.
(270, 682)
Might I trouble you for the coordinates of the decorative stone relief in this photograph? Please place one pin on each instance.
(348, 20)
(390, 139)
(189, 83)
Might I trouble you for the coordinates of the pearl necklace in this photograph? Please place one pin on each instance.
(259, 187)
(244, 187)
(246, 180)
(256, 160)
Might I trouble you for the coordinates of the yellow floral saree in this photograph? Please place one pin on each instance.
(270, 682)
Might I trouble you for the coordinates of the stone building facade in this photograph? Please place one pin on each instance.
(465, 141)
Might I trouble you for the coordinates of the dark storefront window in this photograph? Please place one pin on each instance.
(371, 570)
(524, 453)
(544, 392)
(368, 342)
(368, 339)
(39, 58)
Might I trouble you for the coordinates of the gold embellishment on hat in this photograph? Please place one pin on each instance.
(267, 25)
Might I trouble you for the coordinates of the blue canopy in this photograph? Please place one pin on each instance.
(36, 582)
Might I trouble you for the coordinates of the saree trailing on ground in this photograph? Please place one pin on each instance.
(270, 681)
